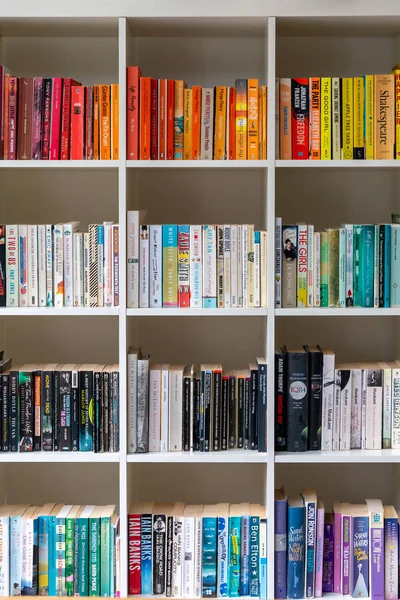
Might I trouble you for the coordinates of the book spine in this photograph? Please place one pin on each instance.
(58, 265)
(41, 242)
(333, 268)
(300, 118)
(245, 265)
(349, 265)
(187, 124)
(4, 556)
(179, 119)
(384, 117)
(278, 262)
(373, 431)
(326, 118)
(209, 267)
(302, 261)
(134, 554)
(356, 409)
(16, 553)
(296, 392)
(376, 559)
(170, 265)
(196, 270)
(11, 243)
(358, 118)
(65, 119)
(227, 266)
(78, 268)
(132, 120)
(253, 131)
(391, 537)
(368, 261)
(296, 553)
(162, 119)
(88, 134)
(254, 557)
(310, 265)
(115, 121)
(327, 576)
(360, 553)
(207, 123)
(285, 119)
(105, 122)
(93, 265)
(94, 557)
(155, 258)
(5, 383)
(310, 547)
(170, 118)
(144, 266)
(32, 266)
(342, 267)
(280, 548)
(395, 266)
(395, 434)
(12, 117)
(289, 266)
(100, 265)
(347, 118)
(49, 252)
(386, 408)
(184, 266)
(319, 557)
(336, 119)
(317, 269)
(143, 406)
(369, 116)
(240, 259)
(55, 123)
(177, 557)
(159, 553)
(96, 122)
(345, 408)
(220, 266)
(68, 265)
(37, 118)
(346, 554)
(280, 405)
(241, 118)
(196, 122)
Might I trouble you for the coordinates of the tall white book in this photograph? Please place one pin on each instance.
(155, 260)
(134, 220)
(42, 264)
(69, 229)
(155, 408)
(144, 267)
(32, 264)
(133, 357)
(328, 396)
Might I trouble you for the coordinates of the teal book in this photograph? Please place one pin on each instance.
(384, 257)
(105, 549)
(94, 551)
(263, 554)
(70, 550)
(60, 549)
(357, 275)
(367, 265)
(83, 550)
(255, 555)
(53, 549)
(342, 267)
(296, 548)
(114, 531)
(395, 266)
(324, 270)
(209, 553)
(234, 550)
(43, 531)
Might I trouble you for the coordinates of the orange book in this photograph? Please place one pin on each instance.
(162, 119)
(285, 119)
(187, 124)
(232, 123)
(77, 121)
(241, 119)
(196, 115)
(105, 122)
(96, 122)
(264, 132)
(252, 132)
(115, 121)
(385, 128)
(145, 118)
(5, 116)
(220, 123)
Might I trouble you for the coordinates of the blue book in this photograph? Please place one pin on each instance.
(245, 553)
(43, 530)
(367, 265)
(280, 543)
(52, 554)
(15, 551)
(357, 262)
(60, 550)
(263, 554)
(310, 503)
(296, 548)
(234, 550)
(28, 578)
(146, 553)
(360, 551)
(395, 266)
(255, 555)
(209, 553)
(222, 566)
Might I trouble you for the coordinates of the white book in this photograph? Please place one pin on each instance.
(209, 266)
(240, 266)
(12, 265)
(4, 555)
(100, 265)
(58, 265)
(175, 408)
(86, 278)
(155, 408)
(356, 410)
(278, 262)
(250, 258)
(177, 553)
(234, 266)
(317, 269)
(364, 379)
(32, 264)
(93, 265)
(133, 222)
(78, 270)
(245, 265)
(222, 549)
(396, 408)
(42, 264)
(189, 551)
(373, 431)
(69, 230)
(133, 357)
(164, 407)
(264, 268)
(336, 411)
(27, 547)
(277, 118)
(328, 396)
(220, 266)
(144, 267)
(386, 405)
(302, 260)
(345, 408)
(108, 262)
(198, 547)
(310, 265)
(155, 258)
(207, 123)
(49, 265)
(196, 266)
(257, 269)
(227, 265)
(376, 267)
(349, 265)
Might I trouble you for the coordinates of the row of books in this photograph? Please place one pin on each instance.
(195, 551)
(44, 118)
(166, 120)
(353, 265)
(322, 405)
(352, 551)
(334, 118)
(181, 408)
(58, 407)
(57, 265)
(59, 550)
(196, 266)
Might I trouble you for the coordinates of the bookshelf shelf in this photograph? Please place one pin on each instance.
(228, 456)
(58, 457)
(197, 164)
(337, 164)
(339, 457)
(59, 164)
(197, 312)
(59, 312)
(337, 312)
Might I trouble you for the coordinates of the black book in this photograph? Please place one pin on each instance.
(201, 412)
(47, 393)
(315, 380)
(14, 410)
(224, 412)
(262, 405)
(241, 399)
(5, 421)
(86, 408)
(106, 408)
(186, 411)
(37, 403)
(246, 434)
(66, 408)
(1, 415)
(3, 293)
(232, 412)
(98, 411)
(26, 436)
(253, 407)
(296, 391)
(159, 546)
(115, 408)
(217, 401)
(280, 404)
(207, 394)
(57, 410)
(75, 409)
(170, 545)
(196, 414)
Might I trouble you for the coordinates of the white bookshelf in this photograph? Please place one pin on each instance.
(205, 43)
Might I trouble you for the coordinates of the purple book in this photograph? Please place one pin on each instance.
(319, 560)
(376, 543)
(347, 547)
(280, 543)
(327, 574)
(337, 549)
(37, 118)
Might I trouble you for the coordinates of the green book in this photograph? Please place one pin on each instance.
(94, 551)
(105, 550)
(83, 551)
(357, 271)
(367, 265)
(324, 269)
(69, 550)
(342, 267)
(333, 268)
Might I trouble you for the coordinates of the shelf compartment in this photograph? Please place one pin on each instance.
(59, 312)
(59, 164)
(58, 457)
(338, 164)
(339, 457)
(197, 164)
(197, 312)
(225, 457)
(337, 312)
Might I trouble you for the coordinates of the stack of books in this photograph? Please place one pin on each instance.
(166, 120)
(180, 408)
(195, 551)
(195, 266)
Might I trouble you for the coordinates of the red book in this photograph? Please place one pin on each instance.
(89, 123)
(5, 115)
(154, 120)
(2, 100)
(300, 118)
(232, 123)
(46, 121)
(134, 558)
(66, 117)
(25, 119)
(132, 117)
(170, 118)
(77, 121)
(12, 118)
(55, 126)
(162, 119)
(145, 119)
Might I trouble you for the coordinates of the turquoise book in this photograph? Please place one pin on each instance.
(83, 542)
(263, 554)
(234, 546)
(357, 236)
(255, 556)
(296, 548)
(43, 533)
(105, 549)
(146, 553)
(395, 266)
(342, 267)
(94, 551)
(60, 550)
(245, 553)
(367, 266)
(52, 555)
(384, 253)
(209, 553)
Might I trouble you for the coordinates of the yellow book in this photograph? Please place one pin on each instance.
(187, 117)
(347, 112)
(115, 121)
(264, 122)
(326, 118)
(384, 117)
(253, 109)
(396, 72)
(260, 122)
(178, 120)
(220, 123)
(369, 116)
(358, 118)
(241, 119)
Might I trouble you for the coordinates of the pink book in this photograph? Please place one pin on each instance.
(55, 127)
(319, 563)
(37, 118)
(337, 548)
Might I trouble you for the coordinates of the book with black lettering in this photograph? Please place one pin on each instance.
(169, 555)
(280, 404)
(216, 408)
(86, 407)
(106, 408)
(37, 406)
(57, 409)
(262, 405)
(98, 409)
(296, 392)
(14, 409)
(186, 407)
(65, 407)
(315, 376)
(232, 410)
(115, 407)
(247, 389)
(196, 413)
(75, 408)
(1, 414)
(26, 408)
(224, 412)
(5, 421)
(253, 407)
(207, 407)
(47, 393)
(241, 399)
(159, 548)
